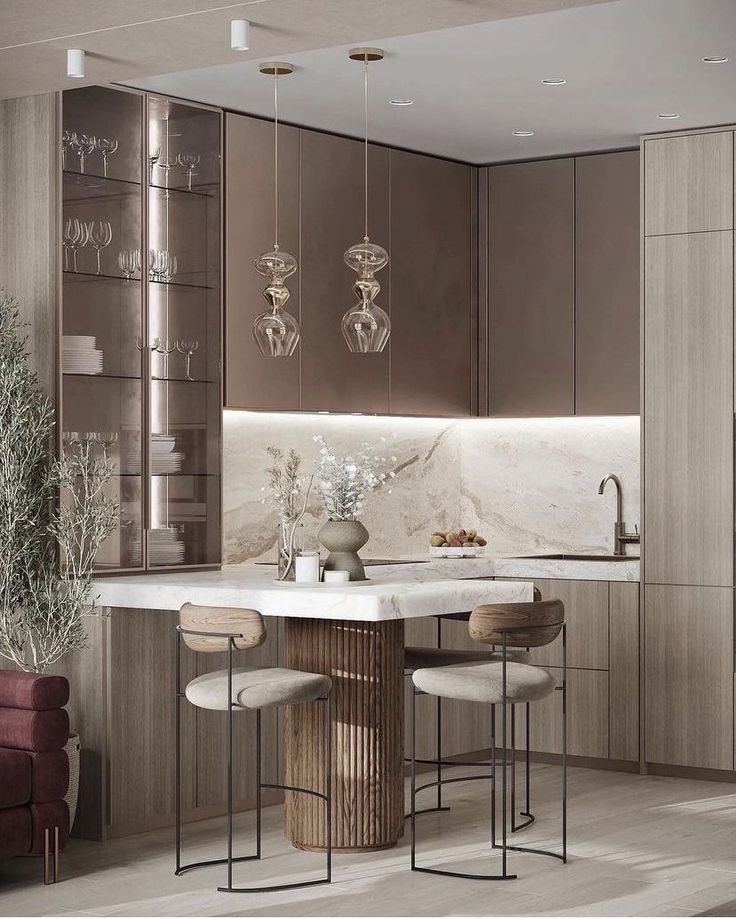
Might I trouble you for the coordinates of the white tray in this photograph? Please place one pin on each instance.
(456, 551)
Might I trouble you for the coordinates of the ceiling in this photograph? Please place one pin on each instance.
(473, 85)
(137, 38)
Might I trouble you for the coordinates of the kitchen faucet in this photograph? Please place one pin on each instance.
(620, 536)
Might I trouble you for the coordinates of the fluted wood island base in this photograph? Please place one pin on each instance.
(366, 663)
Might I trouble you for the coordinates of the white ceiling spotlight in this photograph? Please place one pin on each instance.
(240, 35)
(554, 81)
(668, 116)
(75, 63)
(715, 59)
(523, 133)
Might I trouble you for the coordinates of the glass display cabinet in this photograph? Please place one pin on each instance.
(140, 351)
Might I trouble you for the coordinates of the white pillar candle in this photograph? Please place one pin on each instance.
(337, 577)
(307, 568)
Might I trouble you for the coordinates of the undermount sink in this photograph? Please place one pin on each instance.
(570, 557)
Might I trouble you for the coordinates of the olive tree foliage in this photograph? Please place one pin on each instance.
(54, 515)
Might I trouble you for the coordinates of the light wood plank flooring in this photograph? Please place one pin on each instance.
(639, 846)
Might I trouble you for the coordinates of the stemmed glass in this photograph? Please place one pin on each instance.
(83, 144)
(107, 147)
(167, 165)
(129, 261)
(68, 139)
(76, 235)
(163, 264)
(100, 236)
(188, 348)
(189, 161)
(153, 157)
(165, 348)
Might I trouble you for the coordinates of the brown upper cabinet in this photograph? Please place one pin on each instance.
(252, 380)
(432, 286)
(531, 232)
(688, 183)
(607, 284)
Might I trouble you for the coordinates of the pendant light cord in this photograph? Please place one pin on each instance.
(365, 158)
(276, 161)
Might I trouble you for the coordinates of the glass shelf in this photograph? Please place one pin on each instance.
(99, 178)
(85, 276)
(197, 191)
(181, 284)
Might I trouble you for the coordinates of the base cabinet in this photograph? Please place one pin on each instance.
(689, 669)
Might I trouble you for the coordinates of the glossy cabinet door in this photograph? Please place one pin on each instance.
(688, 183)
(689, 676)
(607, 284)
(688, 409)
(531, 226)
(332, 378)
(253, 381)
(432, 290)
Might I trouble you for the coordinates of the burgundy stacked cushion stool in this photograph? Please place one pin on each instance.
(34, 728)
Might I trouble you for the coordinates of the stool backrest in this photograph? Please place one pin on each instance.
(543, 620)
(247, 624)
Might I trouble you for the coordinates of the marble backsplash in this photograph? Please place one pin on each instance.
(526, 484)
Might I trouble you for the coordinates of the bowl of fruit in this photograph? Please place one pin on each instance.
(459, 543)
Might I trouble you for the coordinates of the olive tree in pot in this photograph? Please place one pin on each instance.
(54, 516)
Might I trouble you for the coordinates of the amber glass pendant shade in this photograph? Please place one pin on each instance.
(276, 331)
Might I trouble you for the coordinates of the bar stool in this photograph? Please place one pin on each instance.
(419, 657)
(216, 629)
(499, 682)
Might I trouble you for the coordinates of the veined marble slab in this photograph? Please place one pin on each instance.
(389, 595)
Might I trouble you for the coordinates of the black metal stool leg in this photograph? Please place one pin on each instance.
(259, 783)
(493, 776)
(177, 754)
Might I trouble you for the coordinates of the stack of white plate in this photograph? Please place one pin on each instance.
(164, 460)
(165, 547)
(81, 355)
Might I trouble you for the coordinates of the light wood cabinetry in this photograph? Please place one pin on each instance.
(432, 285)
(624, 670)
(688, 183)
(688, 409)
(607, 284)
(252, 380)
(531, 227)
(689, 676)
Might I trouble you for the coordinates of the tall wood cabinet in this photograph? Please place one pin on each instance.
(688, 439)
(421, 209)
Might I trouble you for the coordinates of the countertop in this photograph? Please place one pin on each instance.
(396, 592)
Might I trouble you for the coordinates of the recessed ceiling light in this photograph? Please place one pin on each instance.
(668, 115)
(523, 133)
(554, 82)
(716, 59)
(401, 101)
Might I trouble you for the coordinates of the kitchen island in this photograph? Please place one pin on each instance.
(355, 633)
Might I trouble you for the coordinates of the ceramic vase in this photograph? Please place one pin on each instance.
(343, 539)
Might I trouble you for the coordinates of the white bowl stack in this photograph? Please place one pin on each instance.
(81, 355)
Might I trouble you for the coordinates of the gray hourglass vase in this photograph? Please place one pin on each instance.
(343, 539)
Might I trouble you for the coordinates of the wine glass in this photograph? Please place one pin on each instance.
(100, 237)
(153, 157)
(167, 165)
(165, 348)
(84, 144)
(129, 260)
(106, 146)
(189, 161)
(68, 139)
(76, 235)
(188, 348)
(170, 266)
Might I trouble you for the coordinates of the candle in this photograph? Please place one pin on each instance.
(336, 577)
(307, 568)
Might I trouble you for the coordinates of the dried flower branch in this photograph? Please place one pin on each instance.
(47, 546)
(344, 481)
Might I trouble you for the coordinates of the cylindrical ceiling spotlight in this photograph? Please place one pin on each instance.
(239, 34)
(75, 63)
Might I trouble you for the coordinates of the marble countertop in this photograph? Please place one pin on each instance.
(393, 592)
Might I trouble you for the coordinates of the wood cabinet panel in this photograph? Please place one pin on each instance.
(688, 409)
(251, 380)
(586, 615)
(624, 670)
(432, 290)
(531, 288)
(332, 378)
(607, 284)
(689, 676)
(688, 183)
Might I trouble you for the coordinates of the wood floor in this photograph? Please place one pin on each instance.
(639, 846)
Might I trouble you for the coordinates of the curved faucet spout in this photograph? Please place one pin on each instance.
(611, 477)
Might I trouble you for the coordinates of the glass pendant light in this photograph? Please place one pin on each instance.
(366, 326)
(276, 331)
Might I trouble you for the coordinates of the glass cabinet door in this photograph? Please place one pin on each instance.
(102, 295)
(183, 334)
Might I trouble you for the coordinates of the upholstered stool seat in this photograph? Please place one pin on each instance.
(415, 658)
(257, 688)
(484, 682)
